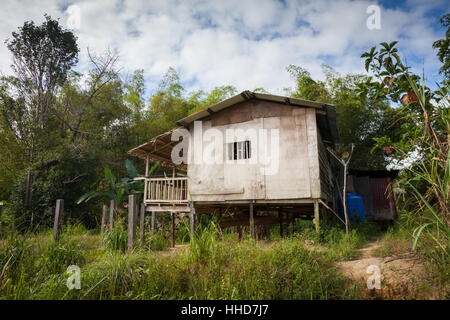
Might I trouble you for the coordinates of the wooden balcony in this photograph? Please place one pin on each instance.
(166, 194)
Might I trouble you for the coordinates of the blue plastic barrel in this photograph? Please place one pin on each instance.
(355, 207)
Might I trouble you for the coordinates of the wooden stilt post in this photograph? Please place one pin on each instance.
(112, 208)
(191, 219)
(316, 215)
(280, 217)
(267, 231)
(239, 228)
(153, 224)
(286, 219)
(252, 222)
(172, 216)
(132, 215)
(104, 212)
(147, 166)
(219, 217)
(291, 223)
(59, 212)
(288, 224)
(141, 224)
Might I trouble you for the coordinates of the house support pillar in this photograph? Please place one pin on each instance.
(172, 217)
(316, 215)
(147, 165)
(141, 225)
(153, 224)
(280, 217)
(252, 222)
(191, 219)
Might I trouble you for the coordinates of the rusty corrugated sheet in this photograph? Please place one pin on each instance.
(383, 199)
(362, 187)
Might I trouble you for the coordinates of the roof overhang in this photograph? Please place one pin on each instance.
(158, 149)
(247, 95)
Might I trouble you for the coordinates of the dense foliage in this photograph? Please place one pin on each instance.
(60, 129)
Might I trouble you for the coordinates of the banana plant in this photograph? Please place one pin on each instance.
(132, 184)
(118, 190)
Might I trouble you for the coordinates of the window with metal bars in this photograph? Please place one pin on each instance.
(239, 150)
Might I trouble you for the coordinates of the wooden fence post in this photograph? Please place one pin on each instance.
(104, 211)
(132, 215)
(59, 212)
(112, 208)
(141, 225)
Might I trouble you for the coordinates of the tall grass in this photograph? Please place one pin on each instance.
(116, 238)
(210, 269)
(158, 241)
(26, 262)
(428, 179)
(340, 245)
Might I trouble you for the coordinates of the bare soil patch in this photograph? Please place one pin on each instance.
(178, 248)
(402, 276)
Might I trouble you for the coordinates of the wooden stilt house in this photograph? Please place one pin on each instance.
(258, 157)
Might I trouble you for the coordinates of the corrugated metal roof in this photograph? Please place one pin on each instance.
(246, 95)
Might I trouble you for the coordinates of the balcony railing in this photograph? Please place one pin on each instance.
(166, 190)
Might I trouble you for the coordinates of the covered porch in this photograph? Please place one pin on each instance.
(163, 193)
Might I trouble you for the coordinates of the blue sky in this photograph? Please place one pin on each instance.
(245, 43)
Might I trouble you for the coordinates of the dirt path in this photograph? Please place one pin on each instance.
(401, 277)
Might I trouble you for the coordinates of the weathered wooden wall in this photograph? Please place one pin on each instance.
(326, 172)
(298, 175)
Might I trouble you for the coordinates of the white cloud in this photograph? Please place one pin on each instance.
(243, 43)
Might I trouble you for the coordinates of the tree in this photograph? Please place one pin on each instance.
(201, 99)
(360, 116)
(307, 88)
(443, 46)
(425, 132)
(42, 56)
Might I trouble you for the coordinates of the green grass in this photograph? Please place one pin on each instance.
(34, 268)
(340, 246)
